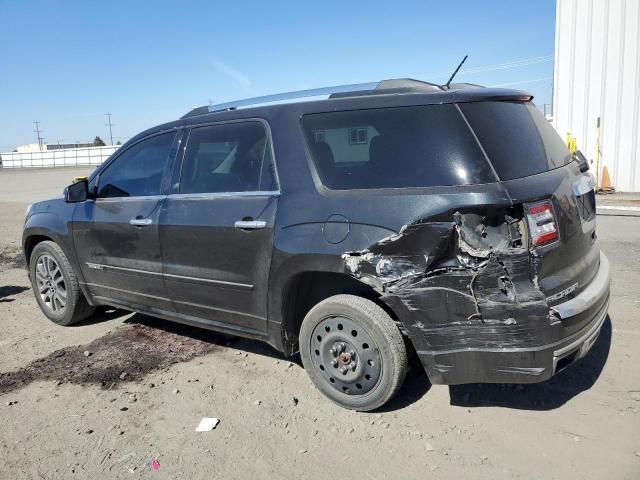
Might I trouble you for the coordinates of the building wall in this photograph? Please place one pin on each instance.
(34, 147)
(597, 75)
(31, 147)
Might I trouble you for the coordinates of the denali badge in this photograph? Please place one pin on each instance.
(563, 293)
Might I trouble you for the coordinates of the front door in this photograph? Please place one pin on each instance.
(116, 235)
(216, 227)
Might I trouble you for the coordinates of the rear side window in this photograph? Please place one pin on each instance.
(399, 147)
(518, 140)
(234, 157)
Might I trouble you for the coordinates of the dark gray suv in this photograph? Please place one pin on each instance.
(357, 228)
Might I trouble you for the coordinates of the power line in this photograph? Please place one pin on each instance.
(523, 62)
(38, 136)
(110, 125)
(505, 66)
(522, 82)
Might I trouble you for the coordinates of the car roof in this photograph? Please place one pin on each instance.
(385, 93)
(395, 87)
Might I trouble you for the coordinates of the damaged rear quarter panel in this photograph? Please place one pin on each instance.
(465, 283)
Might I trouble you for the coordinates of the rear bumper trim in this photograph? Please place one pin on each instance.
(590, 295)
(584, 342)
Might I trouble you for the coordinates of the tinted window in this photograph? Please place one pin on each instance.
(227, 158)
(395, 147)
(517, 138)
(138, 171)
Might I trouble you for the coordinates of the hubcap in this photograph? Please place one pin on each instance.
(50, 282)
(345, 355)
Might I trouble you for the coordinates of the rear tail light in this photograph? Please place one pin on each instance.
(542, 223)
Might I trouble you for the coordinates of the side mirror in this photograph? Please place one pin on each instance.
(77, 192)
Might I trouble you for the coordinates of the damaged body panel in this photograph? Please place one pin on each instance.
(469, 293)
(476, 273)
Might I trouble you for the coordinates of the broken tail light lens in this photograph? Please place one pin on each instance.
(542, 223)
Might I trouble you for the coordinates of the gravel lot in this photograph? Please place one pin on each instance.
(105, 398)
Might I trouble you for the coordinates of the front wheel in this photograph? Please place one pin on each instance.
(56, 286)
(353, 351)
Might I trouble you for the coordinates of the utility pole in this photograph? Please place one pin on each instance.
(38, 132)
(109, 125)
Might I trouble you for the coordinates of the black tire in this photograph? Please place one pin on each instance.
(375, 325)
(76, 308)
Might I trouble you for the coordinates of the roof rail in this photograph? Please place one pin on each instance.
(293, 96)
(401, 85)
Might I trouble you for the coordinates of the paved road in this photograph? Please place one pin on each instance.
(75, 417)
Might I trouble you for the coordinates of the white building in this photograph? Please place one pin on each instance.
(34, 147)
(31, 147)
(597, 80)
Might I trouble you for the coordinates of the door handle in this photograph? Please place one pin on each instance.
(140, 222)
(250, 224)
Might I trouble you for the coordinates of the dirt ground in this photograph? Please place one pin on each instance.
(105, 398)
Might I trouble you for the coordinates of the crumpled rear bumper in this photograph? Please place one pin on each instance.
(535, 363)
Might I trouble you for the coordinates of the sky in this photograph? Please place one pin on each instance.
(67, 63)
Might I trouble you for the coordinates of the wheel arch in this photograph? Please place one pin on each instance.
(42, 227)
(305, 289)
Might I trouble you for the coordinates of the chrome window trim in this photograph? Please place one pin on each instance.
(206, 196)
(129, 199)
(101, 266)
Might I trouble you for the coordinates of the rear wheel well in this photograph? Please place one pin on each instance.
(31, 243)
(305, 290)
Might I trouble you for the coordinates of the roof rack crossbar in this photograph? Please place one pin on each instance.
(292, 96)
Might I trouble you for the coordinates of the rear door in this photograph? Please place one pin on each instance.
(116, 236)
(534, 164)
(216, 227)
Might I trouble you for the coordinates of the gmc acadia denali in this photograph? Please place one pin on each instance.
(352, 224)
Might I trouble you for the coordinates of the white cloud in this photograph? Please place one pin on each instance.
(230, 72)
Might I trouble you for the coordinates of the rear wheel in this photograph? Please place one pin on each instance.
(353, 351)
(55, 285)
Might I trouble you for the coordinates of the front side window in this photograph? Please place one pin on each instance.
(397, 147)
(234, 157)
(138, 171)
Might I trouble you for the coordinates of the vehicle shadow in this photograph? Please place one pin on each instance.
(548, 395)
(210, 336)
(102, 314)
(415, 386)
(10, 290)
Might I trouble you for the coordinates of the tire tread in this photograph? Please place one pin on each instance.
(75, 298)
(385, 324)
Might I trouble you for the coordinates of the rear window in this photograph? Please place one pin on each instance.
(398, 147)
(517, 138)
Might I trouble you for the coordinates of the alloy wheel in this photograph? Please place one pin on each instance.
(51, 284)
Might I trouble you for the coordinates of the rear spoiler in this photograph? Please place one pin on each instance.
(490, 94)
